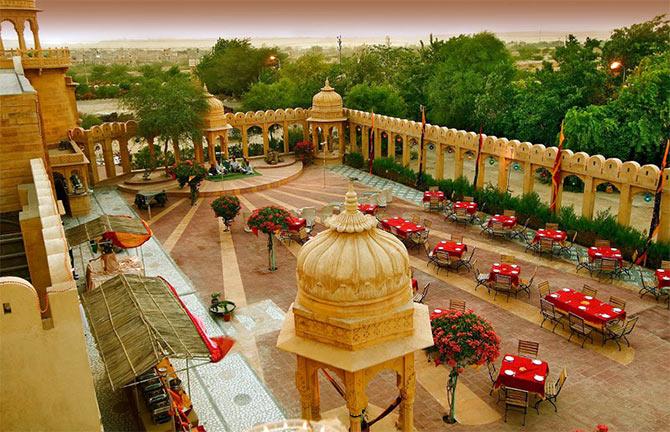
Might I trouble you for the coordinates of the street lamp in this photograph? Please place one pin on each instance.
(617, 65)
(275, 59)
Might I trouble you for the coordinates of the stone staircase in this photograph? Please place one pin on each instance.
(13, 260)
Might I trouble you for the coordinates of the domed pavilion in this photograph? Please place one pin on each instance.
(215, 126)
(354, 315)
(327, 116)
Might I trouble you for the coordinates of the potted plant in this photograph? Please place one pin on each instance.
(269, 220)
(460, 340)
(304, 152)
(222, 308)
(227, 207)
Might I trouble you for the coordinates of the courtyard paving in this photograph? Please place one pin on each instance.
(623, 389)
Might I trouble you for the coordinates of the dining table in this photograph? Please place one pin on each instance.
(402, 226)
(427, 195)
(523, 373)
(506, 221)
(454, 249)
(296, 223)
(557, 236)
(663, 278)
(366, 208)
(595, 312)
(469, 206)
(605, 252)
(511, 270)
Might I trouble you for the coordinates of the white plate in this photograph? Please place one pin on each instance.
(566, 289)
(509, 358)
(605, 315)
(553, 295)
(537, 362)
(588, 297)
(614, 249)
(539, 378)
(617, 310)
(509, 372)
(581, 307)
(666, 277)
(496, 264)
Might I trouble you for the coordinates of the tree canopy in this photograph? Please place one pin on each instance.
(378, 98)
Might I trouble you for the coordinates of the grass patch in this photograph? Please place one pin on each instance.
(233, 176)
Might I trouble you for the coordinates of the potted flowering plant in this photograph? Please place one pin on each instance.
(460, 340)
(304, 152)
(191, 173)
(269, 220)
(222, 308)
(227, 207)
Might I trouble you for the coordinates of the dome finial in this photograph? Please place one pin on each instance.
(327, 83)
(204, 87)
(351, 219)
(351, 199)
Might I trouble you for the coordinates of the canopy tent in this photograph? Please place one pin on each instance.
(137, 321)
(123, 231)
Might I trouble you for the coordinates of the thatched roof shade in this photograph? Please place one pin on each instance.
(137, 321)
(95, 228)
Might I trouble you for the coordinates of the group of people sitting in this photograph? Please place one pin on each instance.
(230, 166)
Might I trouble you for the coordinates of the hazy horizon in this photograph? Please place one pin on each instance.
(73, 22)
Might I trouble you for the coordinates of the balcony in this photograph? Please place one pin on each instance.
(52, 58)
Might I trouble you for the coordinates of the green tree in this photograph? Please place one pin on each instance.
(307, 75)
(462, 66)
(262, 96)
(382, 99)
(170, 109)
(633, 126)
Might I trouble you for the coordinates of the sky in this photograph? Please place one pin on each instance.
(77, 21)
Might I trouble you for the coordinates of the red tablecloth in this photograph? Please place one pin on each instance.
(595, 312)
(453, 248)
(507, 221)
(556, 235)
(512, 270)
(605, 252)
(530, 379)
(470, 207)
(663, 277)
(403, 226)
(370, 209)
(295, 223)
(428, 194)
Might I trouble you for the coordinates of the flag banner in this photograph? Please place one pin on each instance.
(419, 177)
(478, 157)
(371, 144)
(556, 173)
(656, 214)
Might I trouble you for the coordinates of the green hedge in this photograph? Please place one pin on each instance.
(528, 206)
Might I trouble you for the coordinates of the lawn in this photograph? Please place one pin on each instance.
(233, 176)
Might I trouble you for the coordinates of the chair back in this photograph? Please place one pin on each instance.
(420, 297)
(546, 307)
(601, 243)
(528, 348)
(460, 211)
(551, 226)
(507, 259)
(497, 226)
(617, 302)
(492, 371)
(442, 257)
(433, 188)
(468, 199)
(514, 397)
(665, 264)
(630, 325)
(544, 289)
(458, 305)
(471, 255)
(457, 238)
(427, 223)
(509, 213)
(562, 377)
(608, 265)
(502, 283)
(576, 322)
(416, 219)
(587, 290)
(427, 248)
(546, 244)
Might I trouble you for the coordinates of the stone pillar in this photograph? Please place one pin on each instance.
(439, 163)
(93, 163)
(528, 178)
(304, 385)
(245, 141)
(20, 27)
(365, 138)
(357, 400)
(503, 166)
(305, 132)
(458, 162)
(266, 139)
(625, 204)
(36, 34)
(405, 150)
(285, 132)
(340, 137)
(33, 241)
(390, 147)
(224, 145)
(352, 138)
(482, 172)
(315, 139)
(406, 382)
(108, 155)
(211, 148)
(664, 216)
(378, 143)
(589, 198)
(125, 154)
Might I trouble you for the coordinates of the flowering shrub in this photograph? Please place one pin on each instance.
(268, 220)
(463, 339)
(304, 152)
(188, 171)
(226, 207)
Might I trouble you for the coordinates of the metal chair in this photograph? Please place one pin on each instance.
(497, 229)
(654, 290)
(546, 245)
(665, 264)
(601, 243)
(516, 400)
(460, 215)
(607, 266)
(442, 260)
(615, 331)
(526, 285)
(419, 297)
(493, 376)
(458, 305)
(427, 223)
(433, 188)
(468, 199)
(509, 213)
(415, 218)
(627, 269)
(584, 263)
(482, 279)
(567, 246)
(552, 390)
(502, 284)
(587, 290)
(528, 348)
(550, 314)
(551, 226)
(544, 289)
(520, 231)
(467, 263)
(417, 239)
(457, 238)
(434, 204)
(507, 259)
(578, 327)
(617, 302)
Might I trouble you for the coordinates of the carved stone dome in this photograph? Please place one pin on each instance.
(327, 105)
(215, 117)
(353, 269)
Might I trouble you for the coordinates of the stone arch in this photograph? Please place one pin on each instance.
(276, 137)
(398, 144)
(607, 197)
(573, 192)
(8, 32)
(296, 133)
(255, 140)
(29, 35)
(413, 153)
(384, 141)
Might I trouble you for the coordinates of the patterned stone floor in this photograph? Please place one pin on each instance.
(621, 389)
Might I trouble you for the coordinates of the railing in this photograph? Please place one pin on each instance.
(17, 4)
(37, 59)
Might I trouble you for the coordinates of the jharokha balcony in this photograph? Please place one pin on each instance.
(50, 58)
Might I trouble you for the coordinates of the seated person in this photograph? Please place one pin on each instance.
(245, 167)
(213, 170)
(234, 165)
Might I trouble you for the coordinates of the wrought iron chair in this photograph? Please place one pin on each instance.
(568, 246)
(427, 223)
(442, 260)
(509, 213)
(601, 243)
(544, 289)
(665, 264)
(460, 215)
(526, 285)
(493, 376)
(615, 331)
(516, 400)
(482, 279)
(520, 231)
(419, 297)
(457, 238)
(507, 259)
(551, 226)
(550, 314)
(435, 204)
(458, 305)
(497, 229)
(528, 348)
(578, 327)
(628, 268)
(546, 245)
(502, 284)
(607, 266)
(468, 199)
(587, 290)
(654, 290)
(417, 239)
(617, 302)
(552, 390)
(584, 263)
(415, 218)
(466, 262)
(429, 253)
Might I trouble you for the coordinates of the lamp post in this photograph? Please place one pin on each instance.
(275, 60)
(617, 65)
